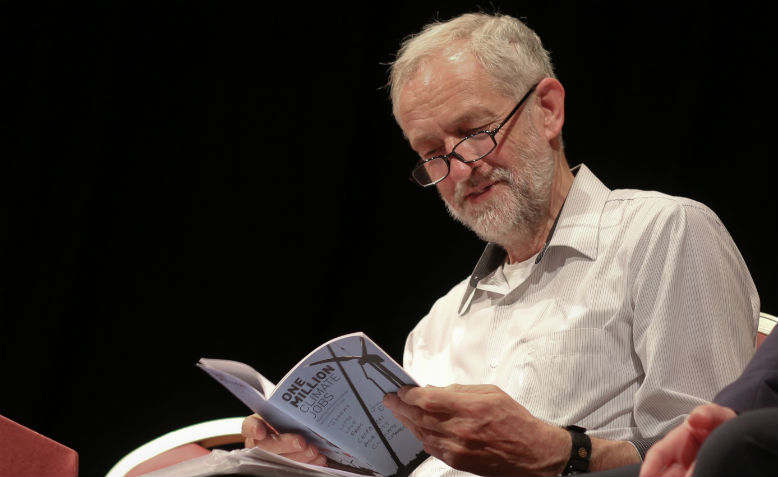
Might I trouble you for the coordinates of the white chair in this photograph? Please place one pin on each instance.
(177, 446)
(766, 324)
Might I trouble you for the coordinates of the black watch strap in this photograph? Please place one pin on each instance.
(579, 453)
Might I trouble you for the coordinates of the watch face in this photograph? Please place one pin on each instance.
(580, 451)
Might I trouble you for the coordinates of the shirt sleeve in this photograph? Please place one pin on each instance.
(695, 308)
(757, 387)
(642, 445)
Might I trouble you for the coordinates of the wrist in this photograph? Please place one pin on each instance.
(558, 452)
(608, 454)
(580, 451)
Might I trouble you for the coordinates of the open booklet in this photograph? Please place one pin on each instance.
(333, 397)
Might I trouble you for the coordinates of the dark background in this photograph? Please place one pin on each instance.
(193, 179)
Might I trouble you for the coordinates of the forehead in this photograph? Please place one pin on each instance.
(448, 89)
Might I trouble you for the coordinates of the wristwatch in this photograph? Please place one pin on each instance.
(579, 453)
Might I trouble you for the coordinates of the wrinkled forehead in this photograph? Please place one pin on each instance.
(452, 66)
(453, 77)
(454, 57)
(408, 65)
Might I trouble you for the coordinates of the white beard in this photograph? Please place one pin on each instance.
(519, 213)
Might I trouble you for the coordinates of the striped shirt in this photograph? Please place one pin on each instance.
(639, 308)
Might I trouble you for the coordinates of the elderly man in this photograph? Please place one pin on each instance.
(595, 319)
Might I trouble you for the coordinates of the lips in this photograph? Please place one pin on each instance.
(479, 192)
(480, 186)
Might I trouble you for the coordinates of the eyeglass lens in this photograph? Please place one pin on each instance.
(469, 150)
(475, 147)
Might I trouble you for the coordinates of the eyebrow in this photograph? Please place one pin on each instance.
(471, 116)
(456, 124)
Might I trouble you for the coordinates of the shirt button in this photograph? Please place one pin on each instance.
(494, 362)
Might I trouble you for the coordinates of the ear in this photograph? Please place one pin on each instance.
(551, 99)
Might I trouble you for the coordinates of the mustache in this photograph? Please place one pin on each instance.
(477, 180)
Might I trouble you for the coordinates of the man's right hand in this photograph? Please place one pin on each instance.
(291, 446)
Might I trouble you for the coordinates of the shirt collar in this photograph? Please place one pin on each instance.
(576, 227)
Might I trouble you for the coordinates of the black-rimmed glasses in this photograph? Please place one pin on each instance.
(470, 149)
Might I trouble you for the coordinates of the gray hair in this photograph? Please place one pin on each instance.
(510, 52)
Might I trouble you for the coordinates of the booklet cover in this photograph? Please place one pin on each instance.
(333, 397)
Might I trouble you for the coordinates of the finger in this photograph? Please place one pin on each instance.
(410, 416)
(442, 443)
(452, 399)
(415, 430)
(709, 416)
(653, 464)
(310, 455)
(473, 388)
(449, 451)
(456, 388)
(291, 446)
(460, 419)
(415, 418)
(427, 398)
(661, 454)
(390, 400)
(401, 408)
(434, 452)
(675, 451)
(283, 444)
(253, 428)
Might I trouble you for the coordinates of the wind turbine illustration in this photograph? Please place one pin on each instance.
(368, 359)
(376, 362)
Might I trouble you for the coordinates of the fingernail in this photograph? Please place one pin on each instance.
(298, 444)
(310, 452)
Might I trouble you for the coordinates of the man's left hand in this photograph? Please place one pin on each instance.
(480, 429)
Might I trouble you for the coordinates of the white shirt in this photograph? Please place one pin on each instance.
(639, 309)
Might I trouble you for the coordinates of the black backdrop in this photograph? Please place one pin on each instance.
(193, 179)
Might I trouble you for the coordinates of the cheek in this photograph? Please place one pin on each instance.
(504, 157)
(446, 189)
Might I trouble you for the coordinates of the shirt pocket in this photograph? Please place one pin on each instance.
(558, 376)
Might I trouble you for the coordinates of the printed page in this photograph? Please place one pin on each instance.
(338, 389)
(247, 385)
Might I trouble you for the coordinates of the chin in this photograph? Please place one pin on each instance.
(490, 225)
(498, 235)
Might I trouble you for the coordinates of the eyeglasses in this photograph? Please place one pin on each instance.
(470, 149)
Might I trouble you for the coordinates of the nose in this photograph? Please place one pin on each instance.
(460, 171)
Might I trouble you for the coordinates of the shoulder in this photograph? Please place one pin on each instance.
(659, 203)
(652, 229)
(661, 212)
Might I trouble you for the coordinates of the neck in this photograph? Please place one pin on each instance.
(525, 247)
